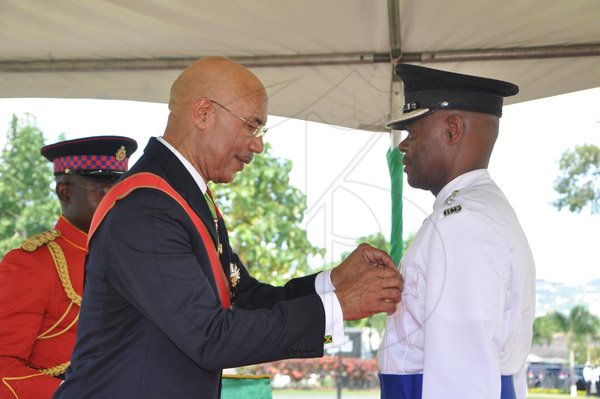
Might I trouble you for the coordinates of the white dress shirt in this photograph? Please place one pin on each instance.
(334, 320)
(469, 295)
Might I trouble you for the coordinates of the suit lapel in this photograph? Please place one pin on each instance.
(181, 180)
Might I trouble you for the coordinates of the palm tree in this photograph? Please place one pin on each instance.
(579, 325)
(544, 328)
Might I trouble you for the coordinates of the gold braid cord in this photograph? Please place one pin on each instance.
(63, 272)
(36, 241)
(31, 244)
(47, 238)
(56, 370)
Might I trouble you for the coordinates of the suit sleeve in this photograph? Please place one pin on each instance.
(252, 294)
(466, 282)
(157, 261)
(24, 293)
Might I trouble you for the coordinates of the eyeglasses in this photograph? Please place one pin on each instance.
(100, 189)
(259, 130)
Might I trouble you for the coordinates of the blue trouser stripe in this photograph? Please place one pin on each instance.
(508, 388)
(401, 386)
(410, 386)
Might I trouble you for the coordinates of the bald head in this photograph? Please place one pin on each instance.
(216, 105)
(214, 77)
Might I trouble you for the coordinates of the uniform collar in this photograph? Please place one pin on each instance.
(71, 234)
(458, 183)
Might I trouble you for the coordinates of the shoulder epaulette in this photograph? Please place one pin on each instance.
(34, 242)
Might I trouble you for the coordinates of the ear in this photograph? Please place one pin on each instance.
(63, 191)
(201, 111)
(455, 127)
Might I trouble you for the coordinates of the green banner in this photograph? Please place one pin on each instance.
(246, 387)
(394, 158)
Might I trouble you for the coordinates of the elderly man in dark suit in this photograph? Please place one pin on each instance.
(167, 302)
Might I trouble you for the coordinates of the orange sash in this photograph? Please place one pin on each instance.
(150, 180)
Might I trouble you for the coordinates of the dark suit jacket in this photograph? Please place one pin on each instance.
(151, 324)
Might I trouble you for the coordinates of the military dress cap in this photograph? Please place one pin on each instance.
(100, 157)
(427, 90)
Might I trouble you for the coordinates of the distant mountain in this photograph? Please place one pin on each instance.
(562, 297)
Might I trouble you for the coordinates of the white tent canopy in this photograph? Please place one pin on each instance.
(321, 60)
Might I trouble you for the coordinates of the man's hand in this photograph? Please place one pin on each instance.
(362, 258)
(367, 282)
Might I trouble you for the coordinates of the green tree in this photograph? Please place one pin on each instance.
(580, 328)
(263, 213)
(544, 328)
(27, 202)
(579, 182)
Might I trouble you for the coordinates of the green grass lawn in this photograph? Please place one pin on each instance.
(371, 394)
(323, 394)
(549, 396)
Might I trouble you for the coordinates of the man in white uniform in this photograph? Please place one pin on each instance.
(464, 326)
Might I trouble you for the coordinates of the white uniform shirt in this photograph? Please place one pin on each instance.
(588, 374)
(469, 295)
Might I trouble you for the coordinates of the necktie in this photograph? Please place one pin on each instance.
(214, 211)
(211, 204)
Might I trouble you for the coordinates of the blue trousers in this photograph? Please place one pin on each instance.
(410, 386)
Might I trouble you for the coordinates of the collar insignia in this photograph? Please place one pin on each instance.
(452, 210)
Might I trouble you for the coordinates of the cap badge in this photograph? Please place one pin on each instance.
(409, 107)
(121, 153)
(234, 275)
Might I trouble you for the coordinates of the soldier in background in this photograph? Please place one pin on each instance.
(41, 283)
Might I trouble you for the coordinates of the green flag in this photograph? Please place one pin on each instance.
(394, 158)
(246, 387)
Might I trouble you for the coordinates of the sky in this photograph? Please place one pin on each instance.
(344, 172)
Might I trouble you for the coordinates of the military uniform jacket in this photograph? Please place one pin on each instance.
(38, 311)
(469, 294)
(152, 325)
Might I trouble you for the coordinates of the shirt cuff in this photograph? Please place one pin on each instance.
(334, 318)
(323, 282)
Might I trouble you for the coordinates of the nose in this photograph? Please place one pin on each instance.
(257, 145)
(403, 146)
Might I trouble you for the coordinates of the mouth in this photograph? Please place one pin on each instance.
(244, 160)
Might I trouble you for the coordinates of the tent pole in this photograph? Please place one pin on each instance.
(396, 89)
(269, 61)
(517, 53)
(154, 64)
(393, 9)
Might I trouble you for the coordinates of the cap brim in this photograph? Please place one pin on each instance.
(109, 176)
(400, 123)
